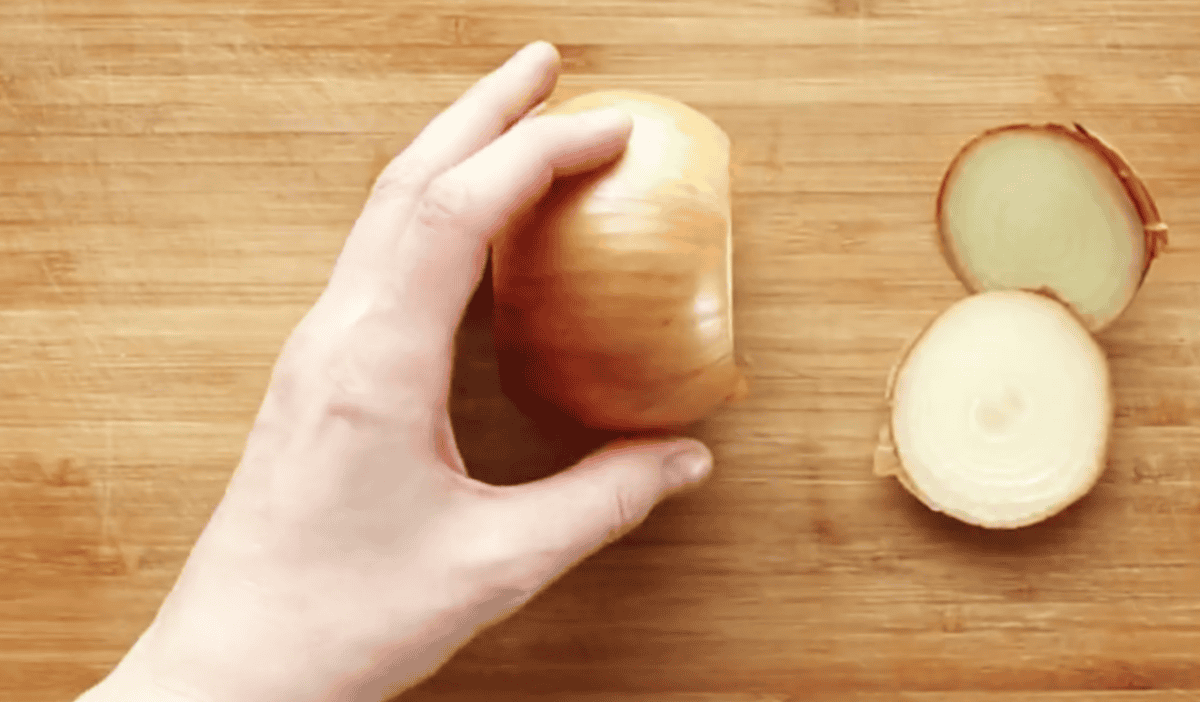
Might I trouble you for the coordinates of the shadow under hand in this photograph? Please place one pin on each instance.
(505, 434)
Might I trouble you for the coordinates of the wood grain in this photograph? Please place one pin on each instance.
(178, 177)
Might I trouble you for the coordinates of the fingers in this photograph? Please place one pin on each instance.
(482, 114)
(509, 94)
(442, 252)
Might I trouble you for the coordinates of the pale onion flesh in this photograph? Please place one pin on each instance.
(1054, 208)
(614, 298)
(1000, 411)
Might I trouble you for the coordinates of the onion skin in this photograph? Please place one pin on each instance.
(613, 297)
(887, 461)
(1153, 228)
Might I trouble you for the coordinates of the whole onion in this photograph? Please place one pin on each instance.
(613, 298)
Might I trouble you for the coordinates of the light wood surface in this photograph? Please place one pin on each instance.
(176, 179)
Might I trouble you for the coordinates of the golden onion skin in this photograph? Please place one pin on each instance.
(613, 298)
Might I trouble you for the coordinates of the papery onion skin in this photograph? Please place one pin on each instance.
(613, 297)
(1154, 230)
(888, 461)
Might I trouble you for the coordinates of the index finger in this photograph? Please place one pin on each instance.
(443, 251)
(477, 118)
(484, 111)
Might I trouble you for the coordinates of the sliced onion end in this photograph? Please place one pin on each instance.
(940, 466)
(1112, 179)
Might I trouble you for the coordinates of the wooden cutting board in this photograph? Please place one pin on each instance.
(177, 177)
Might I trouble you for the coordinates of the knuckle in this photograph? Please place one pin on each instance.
(625, 513)
(304, 348)
(363, 353)
(370, 383)
(445, 204)
(317, 330)
(402, 178)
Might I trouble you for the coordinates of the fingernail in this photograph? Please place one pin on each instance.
(689, 465)
(532, 49)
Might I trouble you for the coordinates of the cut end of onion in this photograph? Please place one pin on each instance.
(1053, 208)
(1000, 411)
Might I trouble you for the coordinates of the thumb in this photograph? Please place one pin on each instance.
(571, 515)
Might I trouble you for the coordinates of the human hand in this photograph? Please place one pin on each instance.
(352, 555)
